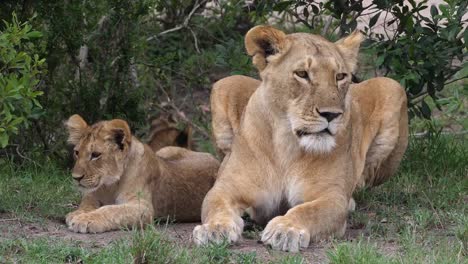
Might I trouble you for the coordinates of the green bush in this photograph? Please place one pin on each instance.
(426, 52)
(135, 59)
(20, 74)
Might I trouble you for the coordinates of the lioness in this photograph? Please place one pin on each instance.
(125, 183)
(306, 140)
(164, 133)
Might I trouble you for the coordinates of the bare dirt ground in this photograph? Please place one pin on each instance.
(13, 228)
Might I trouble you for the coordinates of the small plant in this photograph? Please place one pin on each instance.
(20, 74)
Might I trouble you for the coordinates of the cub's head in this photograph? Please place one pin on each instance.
(306, 78)
(164, 132)
(99, 150)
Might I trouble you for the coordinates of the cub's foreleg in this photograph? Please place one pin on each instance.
(314, 219)
(112, 217)
(88, 203)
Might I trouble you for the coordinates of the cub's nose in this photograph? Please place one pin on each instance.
(329, 116)
(77, 177)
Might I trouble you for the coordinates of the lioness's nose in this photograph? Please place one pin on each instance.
(329, 116)
(77, 177)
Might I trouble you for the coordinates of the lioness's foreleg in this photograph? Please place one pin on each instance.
(221, 219)
(318, 218)
(112, 217)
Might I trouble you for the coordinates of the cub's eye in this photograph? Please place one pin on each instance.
(340, 76)
(302, 74)
(95, 155)
(75, 153)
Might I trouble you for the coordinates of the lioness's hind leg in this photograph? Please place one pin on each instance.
(390, 165)
(221, 127)
(387, 149)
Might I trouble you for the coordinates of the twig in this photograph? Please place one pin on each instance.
(425, 133)
(295, 15)
(179, 113)
(454, 80)
(195, 40)
(21, 155)
(9, 219)
(419, 98)
(433, 209)
(184, 24)
(326, 26)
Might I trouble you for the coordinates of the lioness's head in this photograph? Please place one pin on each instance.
(100, 151)
(307, 78)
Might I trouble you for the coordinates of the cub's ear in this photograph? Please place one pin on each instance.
(349, 48)
(262, 42)
(120, 133)
(184, 138)
(76, 127)
(171, 118)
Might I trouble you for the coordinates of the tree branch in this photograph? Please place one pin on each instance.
(183, 25)
(179, 113)
(454, 80)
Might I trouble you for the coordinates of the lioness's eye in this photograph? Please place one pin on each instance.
(302, 74)
(340, 76)
(95, 155)
(75, 153)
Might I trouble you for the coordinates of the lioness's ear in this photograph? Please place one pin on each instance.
(262, 42)
(120, 133)
(349, 48)
(76, 127)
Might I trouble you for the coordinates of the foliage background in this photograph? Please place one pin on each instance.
(136, 59)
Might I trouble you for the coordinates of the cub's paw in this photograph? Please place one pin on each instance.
(281, 234)
(217, 232)
(71, 215)
(87, 223)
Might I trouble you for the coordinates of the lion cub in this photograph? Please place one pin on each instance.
(164, 133)
(125, 183)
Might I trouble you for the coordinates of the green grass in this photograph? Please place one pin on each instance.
(31, 191)
(418, 216)
(148, 246)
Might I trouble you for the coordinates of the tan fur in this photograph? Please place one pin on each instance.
(289, 166)
(126, 184)
(229, 97)
(164, 133)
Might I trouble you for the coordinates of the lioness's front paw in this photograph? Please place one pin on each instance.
(86, 223)
(284, 235)
(217, 232)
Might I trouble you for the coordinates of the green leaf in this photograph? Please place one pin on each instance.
(425, 110)
(465, 38)
(379, 61)
(282, 6)
(34, 34)
(434, 11)
(3, 140)
(373, 20)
